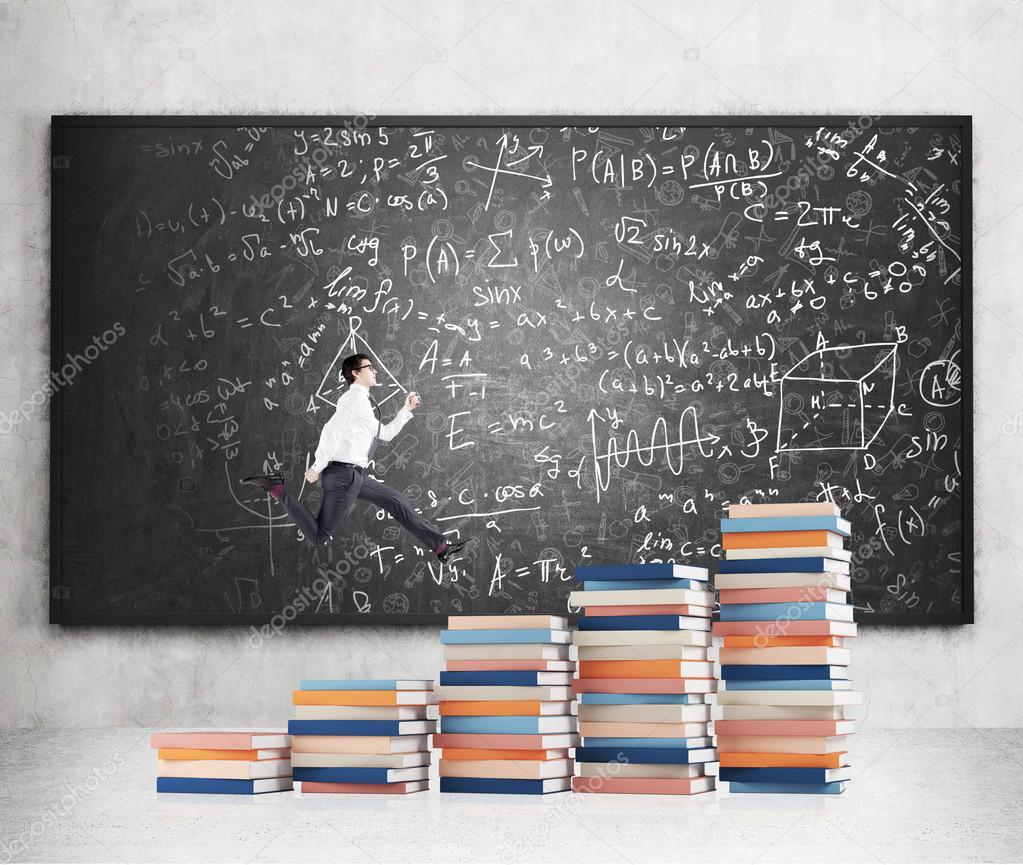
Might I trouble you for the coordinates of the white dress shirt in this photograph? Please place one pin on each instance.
(349, 433)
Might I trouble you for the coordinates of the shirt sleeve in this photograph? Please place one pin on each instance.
(389, 430)
(328, 434)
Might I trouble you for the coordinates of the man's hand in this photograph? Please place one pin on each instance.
(312, 476)
(412, 401)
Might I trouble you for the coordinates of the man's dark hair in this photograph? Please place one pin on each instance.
(350, 363)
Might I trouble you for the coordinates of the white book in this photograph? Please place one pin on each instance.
(790, 552)
(484, 623)
(641, 770)
(642, 653)
(783, 580)
(517, 651)
(785, 655)
(553, 693)
(788, 698)
(641, 638)
(623, 597)
(358, 744)
(355, 761)
(363, 713)
(645, 713)
(779, 713)
(230, 769)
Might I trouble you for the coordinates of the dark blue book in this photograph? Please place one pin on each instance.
(222, 785)
(662, 756)
(505, 677)
(783, 775)
(360, 728)
(504, 785)
(641, 571)
(800, 565)
(360, 774)
(782, 671)
(638, 623)
(832, 789)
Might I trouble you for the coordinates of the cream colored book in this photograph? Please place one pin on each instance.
(510, 651)
(826, 579)
(786, 655)
(785, 509)
(358, 744)
(783, 744)
(641, 638)
(839, 553)
(642, 653)
(645, 597)
(645, 713)
(505, 768)
(483, 623)
(641, 729)
(354, 761)
(247, 770)
(779, 713)
(644, 770)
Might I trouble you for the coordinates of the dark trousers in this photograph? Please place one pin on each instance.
(342, 487)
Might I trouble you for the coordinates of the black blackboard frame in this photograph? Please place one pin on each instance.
(59, 123)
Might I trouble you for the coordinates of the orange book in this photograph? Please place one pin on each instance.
(803, 761)
(498, 754)
(217, 754)
(502, 707)
(652, 669)
(760, 540)
(734, 641)
(361, 698)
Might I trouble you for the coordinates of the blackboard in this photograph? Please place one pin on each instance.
(617, 326)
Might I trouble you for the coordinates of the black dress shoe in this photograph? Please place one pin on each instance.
(451, 549)
(265, 481)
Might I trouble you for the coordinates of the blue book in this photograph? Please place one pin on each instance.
(532, 725)
(360, 774)
(635, 585)
(504, 785)
(360, 728)
(222, 785)
(833, 788)
(366, 685)
(838, 525)
(634, 623)
(504, 677)
(779, 775)
(504, 636)
(641, 571)
(792, 612)
(784, 685)
(783, 671)
(646, 742)
(799, 565)
(638, 699)
(663, 756)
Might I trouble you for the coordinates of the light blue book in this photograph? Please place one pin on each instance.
(498, 636)
(785, 685)
(832, 788)
(838, 525)
(646, 742)
(795, 611)
(635, 585)
(366, 685)
(639, 699)
(508, 724)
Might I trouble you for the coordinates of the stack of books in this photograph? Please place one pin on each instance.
(222, 762)
(361, 735)
(781, 716)
(506, 723)
(644, 679)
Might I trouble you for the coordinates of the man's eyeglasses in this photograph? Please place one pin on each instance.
(367, 366)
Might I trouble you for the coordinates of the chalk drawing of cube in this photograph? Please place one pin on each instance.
(837, 398)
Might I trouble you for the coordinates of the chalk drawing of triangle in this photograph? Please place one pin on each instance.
(332, 385)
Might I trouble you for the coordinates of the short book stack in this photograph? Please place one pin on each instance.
(505, 703)
(783, 586)
(222, 762)
(361, 735)
(644, 679)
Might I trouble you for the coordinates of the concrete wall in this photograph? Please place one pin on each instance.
(518, 57)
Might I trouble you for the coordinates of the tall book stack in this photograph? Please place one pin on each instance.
(222, 762)
(644, 679)
(361, 735)
(506, 723)
(785, 618)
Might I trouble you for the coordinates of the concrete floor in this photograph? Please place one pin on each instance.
(921, 795)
